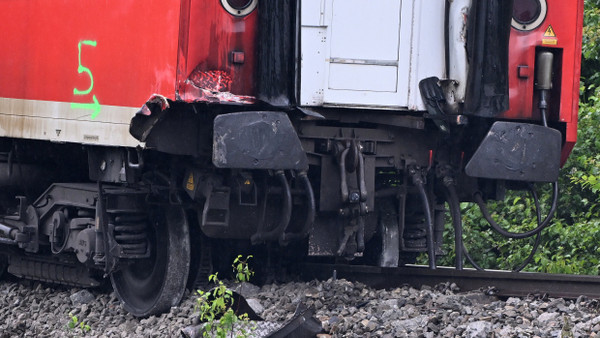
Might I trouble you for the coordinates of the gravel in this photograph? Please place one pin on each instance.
(345, 309)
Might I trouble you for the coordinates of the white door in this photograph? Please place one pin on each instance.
(359, 53)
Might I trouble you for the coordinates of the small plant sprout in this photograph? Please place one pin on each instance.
(241, 269)
(215, 306)
(74, 323)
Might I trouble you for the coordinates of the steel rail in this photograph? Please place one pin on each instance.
(500, 283)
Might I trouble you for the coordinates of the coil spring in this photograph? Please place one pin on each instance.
(131, 233)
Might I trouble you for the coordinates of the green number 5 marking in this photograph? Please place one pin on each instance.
(95, 106)
(82, 69)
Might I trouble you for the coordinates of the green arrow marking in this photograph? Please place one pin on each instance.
(92, 106)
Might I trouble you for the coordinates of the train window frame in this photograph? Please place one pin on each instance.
(241, 11)
(526, 27)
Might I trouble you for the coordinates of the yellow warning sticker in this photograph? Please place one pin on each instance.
(549, 33)
(190, 182)
(549, 37)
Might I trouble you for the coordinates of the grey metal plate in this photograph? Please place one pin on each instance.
(257, 140)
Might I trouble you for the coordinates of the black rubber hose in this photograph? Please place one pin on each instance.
(544, 120)
(454, 204)
(310, 215)
(470, 259)
(428, 221)
(522, 235)
(538, 237)
(286, 212)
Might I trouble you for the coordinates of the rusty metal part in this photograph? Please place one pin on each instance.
(503, 283)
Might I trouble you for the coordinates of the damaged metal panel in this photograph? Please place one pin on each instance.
(172, 127)
(212, 86)
(457, 48)
(217, 53)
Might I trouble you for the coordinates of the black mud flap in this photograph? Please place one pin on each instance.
(519, 152)
(257, 140)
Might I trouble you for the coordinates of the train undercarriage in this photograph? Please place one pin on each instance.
(331, 184)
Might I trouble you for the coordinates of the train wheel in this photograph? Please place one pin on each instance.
(154, 285)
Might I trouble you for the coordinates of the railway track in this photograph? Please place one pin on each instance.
(500, 283)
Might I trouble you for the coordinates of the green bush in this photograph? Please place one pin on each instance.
(566, 247)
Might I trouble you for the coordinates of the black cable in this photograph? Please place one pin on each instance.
(454, 204)
(470, 259)
(544, 119)
(459, 246)
(310, 215)
(538, 237)
(500, 230)
(286, 212)
(428, 220)
(538, 233)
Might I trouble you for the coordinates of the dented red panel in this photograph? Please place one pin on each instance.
(218, 54)
(560, 32)
(89, 53)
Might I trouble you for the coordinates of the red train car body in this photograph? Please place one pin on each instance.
(560, 31)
